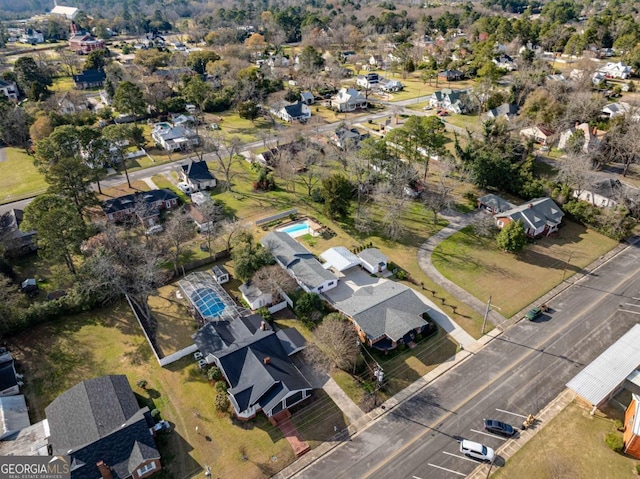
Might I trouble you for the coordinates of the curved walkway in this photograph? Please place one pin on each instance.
(456, 221)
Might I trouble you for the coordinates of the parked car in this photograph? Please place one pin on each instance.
(162, 426)
(154, 230)
(427, 108)
(533, 313)
(499, 428)
(214, 126)
(477, 451)
(185, 187)
(443, 113)
(544, 148)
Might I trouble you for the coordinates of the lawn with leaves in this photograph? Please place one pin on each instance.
(19, 178)
(477, 265)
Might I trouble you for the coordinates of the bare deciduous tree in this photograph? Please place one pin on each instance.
(118, 264)
(272, 279)
(576, 171)
(225, 151)
(437, 198)
(213, 213)
(179, 230)
(335, 344)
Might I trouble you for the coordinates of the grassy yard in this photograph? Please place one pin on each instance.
(63, 84)
(109, 341)
(477, 265)
(470, 122)
(161, 181)
(19, 177)
(570, 446)
(232, 125)
(175, 325)
(123, 189)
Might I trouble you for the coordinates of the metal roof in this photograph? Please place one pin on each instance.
(609, 370)
(340, 258)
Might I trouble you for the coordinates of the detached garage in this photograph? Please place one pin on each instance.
(339, 259)
(373, 260)
(610, 372)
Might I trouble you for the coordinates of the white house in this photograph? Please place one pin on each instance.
(32, 37)
(505, 62)
(197, 175)
(370, 80)
(391, 85)
(616, 70)
(373, 260)
(613, 110)
(254, 297)
(296, 111)
(537, 133)
(299, 262)
(604, 194)
(173, 138)
(348, 99)
(9, 89)
(588, 133)
(376, 60)
(454, 101)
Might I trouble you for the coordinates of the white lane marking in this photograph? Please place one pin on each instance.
(636, 305)
(490, 435)
(444, 469)
(629, 311)
(459, 456)
(513, 413)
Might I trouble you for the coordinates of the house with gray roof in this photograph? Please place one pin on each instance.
(454, 101)
(540, 217)
(256, 363)
(506, 111)
(386, 314)
(100, 425)
(607, 193)
(494, 204)
(373, 260)
(299, 263)
(299, 111)
(15, 241)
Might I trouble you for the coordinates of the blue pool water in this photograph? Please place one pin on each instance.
(208, 303)
(296, 229)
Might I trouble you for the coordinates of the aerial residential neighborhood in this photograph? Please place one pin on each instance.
(311, 239)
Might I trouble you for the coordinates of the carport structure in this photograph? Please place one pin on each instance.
(339, 259)
(609, 373)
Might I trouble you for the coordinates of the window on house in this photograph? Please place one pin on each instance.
(500, 224)
(330, 283)
(146, 468)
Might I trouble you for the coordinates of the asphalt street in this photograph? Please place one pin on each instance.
(516, 374)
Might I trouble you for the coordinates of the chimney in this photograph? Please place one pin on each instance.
(263, 325)
(267, 360)
(530, 205)
(105, 471)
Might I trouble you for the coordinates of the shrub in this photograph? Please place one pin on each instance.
(614, 441)
(221, 402)
(401, 275)
(221, 387)
(265, 313)
(638, 469)
(316, 195)
(155, 414)
(214, 374)
(142, 384)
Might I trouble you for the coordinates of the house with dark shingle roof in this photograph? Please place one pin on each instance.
(198, 176)
(299, 111)
(255, 361)
(15, 241)
(506, 111)
(540, 217)
(89, 79)
(494, 203)
(8, 378)
(298, 261)
(386, 314)
(608, 193)
(100, 425)
(145, 205)
(454, 101)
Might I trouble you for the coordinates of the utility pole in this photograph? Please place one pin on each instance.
(486, 315)
(566, 265)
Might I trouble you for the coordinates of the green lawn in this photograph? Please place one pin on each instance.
(514, 281)
(63, 84)
(570, 446)
(232, 125)
(109, 341)
(19, 178)
(470, 122)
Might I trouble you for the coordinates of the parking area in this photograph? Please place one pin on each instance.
(455, 463)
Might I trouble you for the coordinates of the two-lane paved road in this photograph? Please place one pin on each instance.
(519, 372)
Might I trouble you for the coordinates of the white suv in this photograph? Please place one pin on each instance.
(478, 451)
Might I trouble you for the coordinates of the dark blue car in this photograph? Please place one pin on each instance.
(499, 428)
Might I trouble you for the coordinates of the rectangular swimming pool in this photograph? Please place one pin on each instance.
(299, 228)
